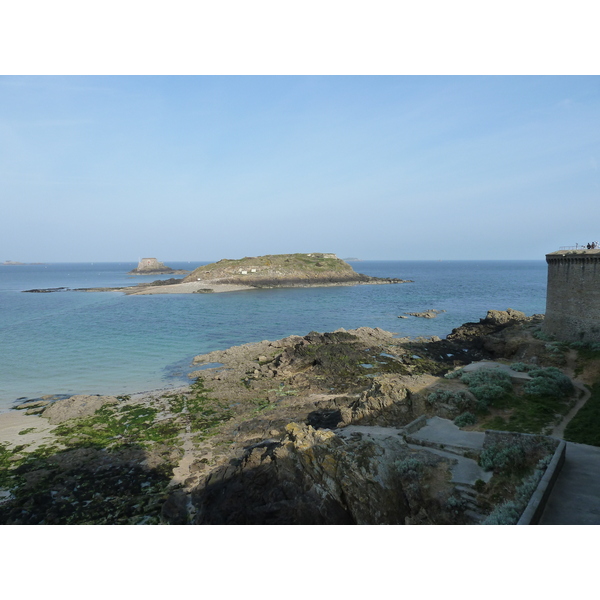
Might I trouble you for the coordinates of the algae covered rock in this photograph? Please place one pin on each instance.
(76, 407)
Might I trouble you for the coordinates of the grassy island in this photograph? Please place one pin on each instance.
(275, 270)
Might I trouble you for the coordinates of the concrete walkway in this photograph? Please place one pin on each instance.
(464, 470)
(443, 432)
(575, 497)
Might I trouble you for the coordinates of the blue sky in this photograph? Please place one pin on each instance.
(101, 168)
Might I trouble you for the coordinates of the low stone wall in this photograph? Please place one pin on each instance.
(506, 438)
(415, 425)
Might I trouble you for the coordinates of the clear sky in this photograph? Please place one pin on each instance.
(98, 168)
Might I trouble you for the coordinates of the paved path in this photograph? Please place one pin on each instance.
(463, 470)
(575, 497)
(444, 431)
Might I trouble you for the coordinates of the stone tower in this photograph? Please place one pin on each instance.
(573, 295)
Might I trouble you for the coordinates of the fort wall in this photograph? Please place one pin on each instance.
(573, 296)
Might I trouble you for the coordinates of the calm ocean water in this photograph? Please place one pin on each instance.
(109, 343)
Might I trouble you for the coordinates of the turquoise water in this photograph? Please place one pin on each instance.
(109, 343)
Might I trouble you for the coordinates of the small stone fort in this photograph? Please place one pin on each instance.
(151, 266)
(573, 295)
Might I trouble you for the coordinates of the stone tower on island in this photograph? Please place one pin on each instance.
(573, 295)
(151, 266)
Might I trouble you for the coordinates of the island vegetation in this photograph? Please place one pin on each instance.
(279, 270)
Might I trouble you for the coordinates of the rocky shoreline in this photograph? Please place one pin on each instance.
(306, 429)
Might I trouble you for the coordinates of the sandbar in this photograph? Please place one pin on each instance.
(191, 287)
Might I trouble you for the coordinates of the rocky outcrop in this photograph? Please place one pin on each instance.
(432, 313)
(500, 334)
(76, 407)
(317, 477)
(151, 266)
(47, 290)
(386, 403)
(494, 322)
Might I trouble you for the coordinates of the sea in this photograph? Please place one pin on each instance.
(108, 343)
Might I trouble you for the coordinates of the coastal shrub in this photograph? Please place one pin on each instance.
(540, 335)
(410, 468)
(488, 385)
(548, 382)
(509, 513)
(456, 398)
(454, 374)
(455, 505)
(589, 346)
(486, 377)
(479, 485)
(521, 367)
(500, 457)
(515, 453)
(466, 418)
(488, 394)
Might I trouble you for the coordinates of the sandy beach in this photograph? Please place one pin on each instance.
(14, 422)
(192, 287)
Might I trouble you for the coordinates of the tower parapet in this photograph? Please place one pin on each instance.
(573, 295)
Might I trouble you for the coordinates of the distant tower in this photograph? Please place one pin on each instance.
(573, 295)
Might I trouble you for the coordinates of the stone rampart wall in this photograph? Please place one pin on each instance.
(573, 297)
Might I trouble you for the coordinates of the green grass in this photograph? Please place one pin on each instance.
(585, 426)
(285, 262)
(496, 423)
(585, 353)
(545, 396)
(531, 414)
